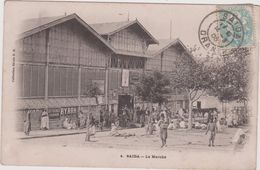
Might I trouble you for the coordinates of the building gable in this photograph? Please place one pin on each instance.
(69, 43)
(108, 29)
(56, 21)
(129, 39)
(166, 54)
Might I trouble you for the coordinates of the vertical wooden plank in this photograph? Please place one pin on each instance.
(161, 61)
(30, 79)
(60, 70)
(79, 70)
(38, 81)
(107, 82)
(47, 64)
(23, 91)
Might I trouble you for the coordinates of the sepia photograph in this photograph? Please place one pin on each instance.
(130, 85)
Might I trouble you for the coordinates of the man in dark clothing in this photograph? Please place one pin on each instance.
(142, 117)
(163, 124)
(101, 120)
(212, 127)
(138, 114)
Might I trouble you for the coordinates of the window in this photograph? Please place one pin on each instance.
(31, 80)
(33, 48)
(89, 76)
(199, 104)
(63, 81)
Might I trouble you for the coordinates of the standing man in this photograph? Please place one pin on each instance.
(101, 120)
(163, 124)
(138, 114)
(181, 112)
(44, 120)
(142, 117)
(212, 127)
(81, 120)
(88, 126)
(27, 122)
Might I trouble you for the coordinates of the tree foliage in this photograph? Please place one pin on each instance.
(153, 87)
(93, 90)
(193, 77)
(232, 77)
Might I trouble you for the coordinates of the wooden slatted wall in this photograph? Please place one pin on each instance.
(129, 40)
(31, 80)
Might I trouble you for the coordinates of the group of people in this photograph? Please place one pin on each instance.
(101, 120)
(44, 119)
(163, 120)
(235, 118)
(153, 120)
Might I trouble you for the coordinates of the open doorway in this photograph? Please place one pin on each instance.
(125, 102)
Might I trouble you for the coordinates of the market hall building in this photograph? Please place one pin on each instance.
(59, 57)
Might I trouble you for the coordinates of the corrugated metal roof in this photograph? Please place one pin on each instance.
(54, 103)
(131, 53)
(32, 23)
(154, 48)
(164, 44)
(107, 28)
(113, 27)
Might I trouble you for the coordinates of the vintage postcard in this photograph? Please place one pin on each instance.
(130, 85)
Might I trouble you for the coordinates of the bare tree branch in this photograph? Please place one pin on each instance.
(202, 93)
(196, 92)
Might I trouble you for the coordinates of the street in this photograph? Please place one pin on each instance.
(177, 140)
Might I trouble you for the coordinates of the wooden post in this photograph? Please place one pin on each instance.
(79, 77)
(161, 61)
(47, 48)
(107, 82)
(79, 85)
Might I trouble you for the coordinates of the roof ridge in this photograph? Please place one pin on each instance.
(112, 22)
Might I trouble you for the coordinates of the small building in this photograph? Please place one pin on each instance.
(210, 101)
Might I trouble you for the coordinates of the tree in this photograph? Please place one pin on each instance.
(192, 77)
(153, 87)
(226, 76)
(93, 90)
(232, 76)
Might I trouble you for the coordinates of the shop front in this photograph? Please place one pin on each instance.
(58, 109)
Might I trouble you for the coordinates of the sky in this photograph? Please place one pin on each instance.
(156, 18)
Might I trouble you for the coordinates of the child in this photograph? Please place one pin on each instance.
(171, 125)
(163, 124)
(212, 127)
(114, 131)
(90, 125)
